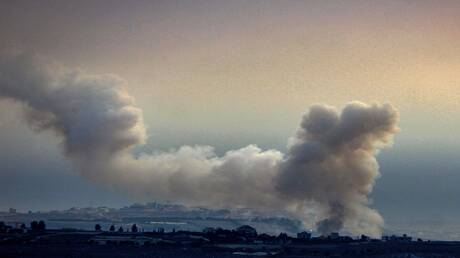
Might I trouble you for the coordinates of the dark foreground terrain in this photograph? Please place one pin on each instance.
(212, 242)
(342, 250)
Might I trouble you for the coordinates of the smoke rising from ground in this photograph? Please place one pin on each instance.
(330, 167)
(332, 160)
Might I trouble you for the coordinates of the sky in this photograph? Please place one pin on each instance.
(233, 73)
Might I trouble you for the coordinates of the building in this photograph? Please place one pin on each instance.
(209, 230)
(403, 238)
(247, 231)
(334, 236)
(365, 238)
(304, 235)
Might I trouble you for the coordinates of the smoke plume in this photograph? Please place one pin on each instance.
(331, 160)
(325, 177)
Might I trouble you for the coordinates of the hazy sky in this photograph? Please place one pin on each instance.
(232, 73)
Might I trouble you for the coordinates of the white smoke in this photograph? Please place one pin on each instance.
(330, 164)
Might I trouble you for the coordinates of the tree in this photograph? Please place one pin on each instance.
(41, 225)
(112, 228)
(120, 229)
(134, 228)
(97, 227)
(2, 227)
(34, 225)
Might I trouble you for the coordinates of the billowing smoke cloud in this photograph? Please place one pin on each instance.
(329, 170)
(331, 160)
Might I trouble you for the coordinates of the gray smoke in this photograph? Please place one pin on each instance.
(324, 178)
(331, 160)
